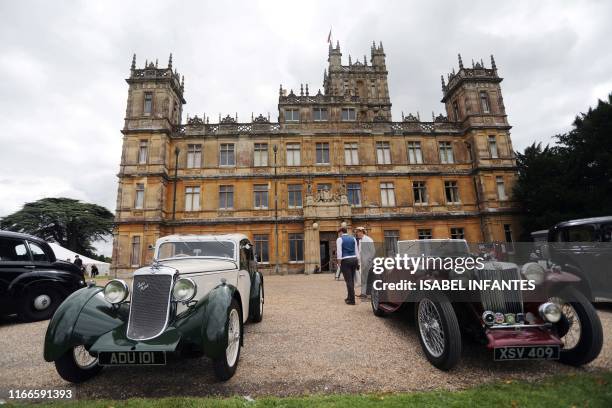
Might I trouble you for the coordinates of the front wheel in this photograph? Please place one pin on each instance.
(438, 331)
(580, 329)
(225, 366)
(77, 365)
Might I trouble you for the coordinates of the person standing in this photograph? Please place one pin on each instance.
(78, 262)
(94, 270)
(348, 257)
(366, 257)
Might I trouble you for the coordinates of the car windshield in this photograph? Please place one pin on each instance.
(213, 249)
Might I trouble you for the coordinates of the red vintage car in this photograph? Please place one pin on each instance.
(554, 321)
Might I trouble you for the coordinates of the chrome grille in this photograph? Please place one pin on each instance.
(501, 301)
(150, 306)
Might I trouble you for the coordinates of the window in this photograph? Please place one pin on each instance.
(260, 158)
(319, 114)
(292, 115)
(391, 238)
(296, 247)
(420, 192)
(293, 154)
(493, 147)
(424, 234)
(261, 195)
(415, 156)
(322, 153)
(508, 232)
(457, 233)
(143, 152)
(135, 258)
(501, 188)
(38, 254)
(387, 195)
(452, 192)
(226, 197)
(192, 198)
(227, 157)
(262, 248)
(194, 156)
(456, 110)
(139, 201)
(148, 103)
(446, 152)
(484, 102)
(353, 192)
(295, 195)
(13, 250)
(351, 154)
(383, 153)
(348, 114)
(578, 233)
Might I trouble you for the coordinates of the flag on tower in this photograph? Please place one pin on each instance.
(329, 36)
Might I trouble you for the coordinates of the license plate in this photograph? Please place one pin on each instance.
(527, 353)
(132, 358)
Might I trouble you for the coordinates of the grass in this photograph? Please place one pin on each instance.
(574, 390)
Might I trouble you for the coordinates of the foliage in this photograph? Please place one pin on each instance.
(71, 223)
(572, 179)
(592, 390)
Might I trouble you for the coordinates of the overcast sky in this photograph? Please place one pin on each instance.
(63, 65)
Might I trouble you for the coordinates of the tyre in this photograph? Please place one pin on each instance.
(39, 303)
(257, 306)
(375, 302)
(438, 331)
(580, 329)
(225, 366)
(77, 365)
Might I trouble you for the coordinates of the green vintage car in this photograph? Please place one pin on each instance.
(194, 299)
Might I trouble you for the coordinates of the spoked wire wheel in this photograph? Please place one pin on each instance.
(430, 326)
(574, 328)
(83, 359)
(233, 338)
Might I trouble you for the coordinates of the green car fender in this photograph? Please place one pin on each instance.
(80, 320)
(205, 323)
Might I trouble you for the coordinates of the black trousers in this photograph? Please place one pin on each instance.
(348, 267)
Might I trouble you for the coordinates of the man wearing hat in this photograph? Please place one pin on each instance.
(347, 254)
(367, 252)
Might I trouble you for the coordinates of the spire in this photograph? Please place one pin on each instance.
(460, 62)
(306, 89)
(170, 61)
(301, 89)
(365, 61)
(280, 90)
(133, 67)
(330, 47)
(493, 66)
(380, 46)
(373, 44)
(350, 62)
(156, 63)
(443, 84)
(338, 45)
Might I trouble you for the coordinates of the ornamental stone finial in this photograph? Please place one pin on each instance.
(170, 61)
(460, 61)
(493, 66)
(133, 67)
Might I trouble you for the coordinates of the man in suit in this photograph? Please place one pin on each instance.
(348, 257)
(367, 252)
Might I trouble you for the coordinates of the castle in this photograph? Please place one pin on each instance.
(332, 158)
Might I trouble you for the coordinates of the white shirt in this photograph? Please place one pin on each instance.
(339, 249)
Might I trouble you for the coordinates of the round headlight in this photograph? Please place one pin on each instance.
(116, 291)
(551, 312)
(488, 317)
(184, 290)
(533, 271)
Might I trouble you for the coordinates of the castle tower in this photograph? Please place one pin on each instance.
(154, 109)
(473, 98)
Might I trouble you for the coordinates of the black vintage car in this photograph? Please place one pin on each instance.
(584, 248)
(33, 282)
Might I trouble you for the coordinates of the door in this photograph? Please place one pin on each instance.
(15, 260)
(325, 258)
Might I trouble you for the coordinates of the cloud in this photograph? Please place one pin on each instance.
(63, 94)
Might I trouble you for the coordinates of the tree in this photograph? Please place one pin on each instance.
(71, 223)
(572, 179)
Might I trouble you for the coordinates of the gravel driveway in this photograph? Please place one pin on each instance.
(308, 342)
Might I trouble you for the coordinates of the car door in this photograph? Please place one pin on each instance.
(244, 277)
(40, 259)
(15, 260)
(605, 261)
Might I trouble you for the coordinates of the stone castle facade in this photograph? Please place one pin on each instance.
(332, 157)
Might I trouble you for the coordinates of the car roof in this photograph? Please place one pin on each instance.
(580, 221)
(20, 235)
(203, 237)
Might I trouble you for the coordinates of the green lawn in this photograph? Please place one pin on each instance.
(581, 390)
